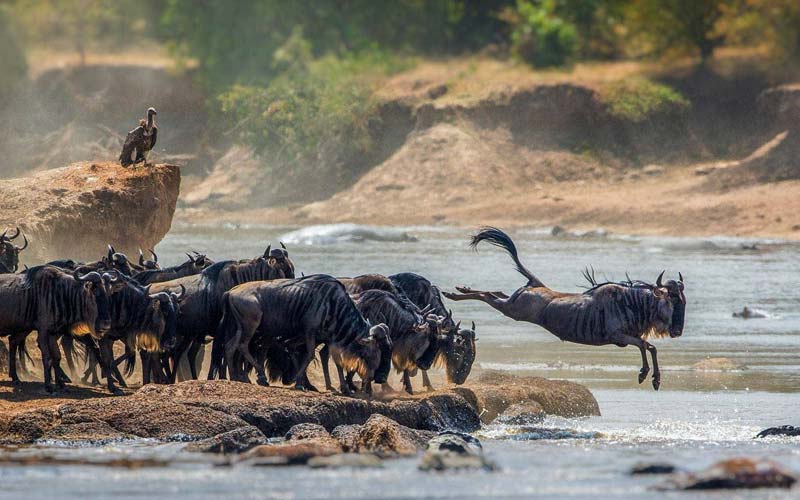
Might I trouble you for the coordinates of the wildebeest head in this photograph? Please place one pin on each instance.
(671, 305)
(166, 308)
(457, 353)
(97, 310)
(198, 260)
(9, 252)
(118, 261)
(278, 259)
(377, 352)
(151, 264)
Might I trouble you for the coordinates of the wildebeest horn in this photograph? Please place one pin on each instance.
(111, 252)
(112, 275)
(473, 326)
(93, 276)
(23, 247)
(680, 277)
(183, 292)
(658, 281)
(9, 238)
(266, 252)
(191, 259)
(141, 258)
(282, 245)
(155, 257)
(458, 325)
(426, 310)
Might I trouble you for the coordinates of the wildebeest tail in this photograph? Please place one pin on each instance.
(70, 352)
(129, 359)
(225, 331)
(23, 355)
(500, 239)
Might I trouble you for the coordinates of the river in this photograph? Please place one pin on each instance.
(696, 418)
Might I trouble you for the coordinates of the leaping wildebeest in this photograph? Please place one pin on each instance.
(625, 313)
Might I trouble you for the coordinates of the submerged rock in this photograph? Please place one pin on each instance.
(653, 468)
(454, 450)
(359, 460)
(751, 313)
(292, 452)
(717, 365)
(383, 437)
(306, 431)
(784, 430)
(737, 473)
(234, 441)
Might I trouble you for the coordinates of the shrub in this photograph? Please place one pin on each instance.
(639, 99)
(540, 37)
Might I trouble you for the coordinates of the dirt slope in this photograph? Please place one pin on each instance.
(75, 211)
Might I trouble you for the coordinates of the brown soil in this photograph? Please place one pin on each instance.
(75, 211)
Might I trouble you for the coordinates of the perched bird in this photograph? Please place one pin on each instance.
(140, 141)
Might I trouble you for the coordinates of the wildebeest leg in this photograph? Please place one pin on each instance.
(343, 387)
(500, 302)
(426, 381)
(407, 382)
(15, 347)
(146, 360)
(311, 350)
(656, 373)
(366, 386)
(55, 356)
(106, 360)
(43, 339)
(625, 340)
(216, 368)
(350, 383)
(324, 357)
(191, 355)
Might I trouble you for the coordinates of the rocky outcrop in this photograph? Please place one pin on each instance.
(75, 211)
(497, 391)
(202, 410)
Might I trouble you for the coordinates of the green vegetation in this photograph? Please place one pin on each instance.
(541, 37)
(639, 99)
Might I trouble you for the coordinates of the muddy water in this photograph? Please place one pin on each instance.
(695, 419)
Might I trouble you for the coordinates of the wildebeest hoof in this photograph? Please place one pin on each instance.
(16, 383)
(656, 382)
(262, 382)
(116, 391)
(300, 387)
(643, 375)
(464, 289)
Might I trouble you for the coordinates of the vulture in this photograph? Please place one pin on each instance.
(140, 141)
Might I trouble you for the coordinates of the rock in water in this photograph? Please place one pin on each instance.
(455, 450)
(306, 431)
(234, 441)
(385, 438)
(784, 430)
(360, 460)
(76, 211)
(737, 473)
(652, 468)
(717, 365)
(524, 413)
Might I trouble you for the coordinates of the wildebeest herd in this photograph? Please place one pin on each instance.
(259, 317)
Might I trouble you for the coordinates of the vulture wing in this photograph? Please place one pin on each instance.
(133, 141)
(153, 137)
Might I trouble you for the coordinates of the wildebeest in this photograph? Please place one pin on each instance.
(194, 265)
(9, 253)
(623, 314)
(50, 301)
(414, 333)
(298, 315)
(144, 321)
(201, 307)
(455, 346)
(149, 264)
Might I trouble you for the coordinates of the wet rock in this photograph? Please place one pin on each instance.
(95, 432)
(73, 211)
(653, 468)
(784, 430)
(292, 452)
(347, 435)
(523, 413)
(717, 365)
(234, 441)
(306, 431)
(386, 438)
(453, 450)
(496, 391)
(529, 433)
(737, 473)
(27, 427)
(750, 313)
(359, 460)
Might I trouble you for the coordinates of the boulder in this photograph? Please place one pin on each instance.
(736, 473)
(237, 440)
(306, 431)
(76, 211)
(454, 450)
(496, 391)
(384, 437)
(784, 430)
(523, 413)
(199, 410)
